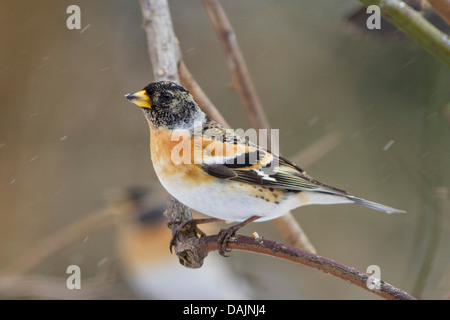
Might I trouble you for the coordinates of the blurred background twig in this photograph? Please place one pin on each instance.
(415, 26)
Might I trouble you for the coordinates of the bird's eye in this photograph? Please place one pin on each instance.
(167, 97)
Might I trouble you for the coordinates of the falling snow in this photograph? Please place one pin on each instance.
(388, 145)
(101, 262)
(446, 40)
(98, 44)
(85, 28)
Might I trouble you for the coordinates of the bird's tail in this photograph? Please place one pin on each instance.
(374, 205)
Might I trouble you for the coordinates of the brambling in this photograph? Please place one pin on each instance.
(220, 174)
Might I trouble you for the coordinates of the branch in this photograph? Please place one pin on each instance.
(415, 26)
(287, 225)
(279, 250)
(193, 250)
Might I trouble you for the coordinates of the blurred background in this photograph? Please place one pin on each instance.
(75, 165)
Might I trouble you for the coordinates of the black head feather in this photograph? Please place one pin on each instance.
(172, 105)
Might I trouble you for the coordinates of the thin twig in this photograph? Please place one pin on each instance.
(241, 77)
(279, 250)
(415, 26)
(287, 225)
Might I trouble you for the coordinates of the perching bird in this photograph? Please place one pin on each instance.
(220, 174)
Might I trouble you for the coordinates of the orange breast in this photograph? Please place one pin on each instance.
(173, 157)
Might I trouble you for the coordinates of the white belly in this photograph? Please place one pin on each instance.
(232, 204)
(232, 201)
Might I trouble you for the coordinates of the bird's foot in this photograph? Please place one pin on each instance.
(226, 234)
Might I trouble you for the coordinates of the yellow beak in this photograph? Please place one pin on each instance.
(141, 99)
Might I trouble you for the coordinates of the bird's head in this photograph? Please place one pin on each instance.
(167, 104)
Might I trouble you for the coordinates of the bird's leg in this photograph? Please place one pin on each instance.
(226, 234)
(189, 224)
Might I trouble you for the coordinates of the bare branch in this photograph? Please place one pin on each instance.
(192, 250)
(279, 250)
(236, 63)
